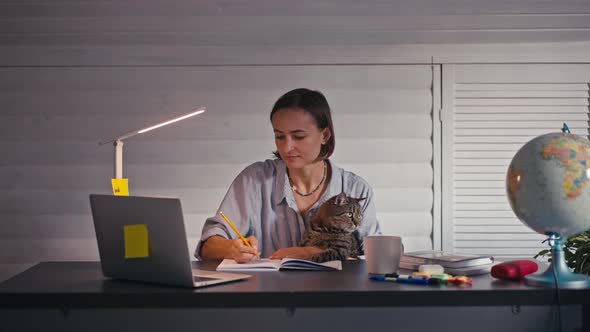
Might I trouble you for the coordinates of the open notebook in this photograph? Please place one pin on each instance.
(265, 264)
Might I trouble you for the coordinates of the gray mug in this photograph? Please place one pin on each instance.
(383, 253)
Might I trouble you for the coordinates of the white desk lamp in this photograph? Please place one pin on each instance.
(118, 141)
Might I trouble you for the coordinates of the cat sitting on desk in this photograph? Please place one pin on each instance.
(333, 229)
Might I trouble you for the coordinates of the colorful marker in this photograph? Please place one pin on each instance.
(406, 280)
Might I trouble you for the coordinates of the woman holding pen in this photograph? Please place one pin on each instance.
(267, 206)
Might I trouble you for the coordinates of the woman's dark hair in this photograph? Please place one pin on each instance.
(314, 103)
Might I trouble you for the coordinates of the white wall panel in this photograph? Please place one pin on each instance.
(233, 23)
(56, 116)
(28, 227)
(52, 201)
(184, 32)
(409, 102)
(71, 225)
(87, 176)
(157, 152)
(253, 126)
(159, 79)
(405, 224)
(492, 111)
(75, 72)
(39, 202)
(48, 249)
(406, 175)
(180, 8)
(212, 24)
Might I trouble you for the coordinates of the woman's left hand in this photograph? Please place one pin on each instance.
(296, 252)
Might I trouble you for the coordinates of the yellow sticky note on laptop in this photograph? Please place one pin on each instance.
(136, 241)
(120, 187)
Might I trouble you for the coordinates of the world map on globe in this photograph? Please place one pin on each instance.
(548, 184)
(571, 154)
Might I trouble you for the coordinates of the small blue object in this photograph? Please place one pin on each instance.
(412, 281)
(406, 280)
(565, 128)
(381, 278)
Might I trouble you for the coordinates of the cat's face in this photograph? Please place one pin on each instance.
(341, 213)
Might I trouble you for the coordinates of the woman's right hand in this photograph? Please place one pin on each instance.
(241, 253)
(217, 247)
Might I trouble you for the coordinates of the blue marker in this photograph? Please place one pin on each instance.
(382, 278)
(413, 281)
(407, 280)
(565, 128)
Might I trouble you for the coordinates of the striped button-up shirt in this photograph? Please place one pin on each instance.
(260, 202)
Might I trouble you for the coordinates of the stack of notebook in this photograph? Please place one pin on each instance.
(455, 264)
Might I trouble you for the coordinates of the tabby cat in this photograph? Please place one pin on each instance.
(333, 229)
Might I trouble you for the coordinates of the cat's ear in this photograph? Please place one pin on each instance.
(360, 199)
(341, 199)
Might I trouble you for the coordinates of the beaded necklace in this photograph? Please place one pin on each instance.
(313, 191)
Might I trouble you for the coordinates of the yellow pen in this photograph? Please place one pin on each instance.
(231, 224)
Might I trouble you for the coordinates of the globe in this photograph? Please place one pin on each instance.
(548, 184)
(548, 189)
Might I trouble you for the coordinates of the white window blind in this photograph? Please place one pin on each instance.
(489, 112)
(53, 117)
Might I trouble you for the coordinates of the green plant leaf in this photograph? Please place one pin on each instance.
(542, 253)
(576, 251)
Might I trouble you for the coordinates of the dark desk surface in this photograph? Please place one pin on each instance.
(82, 285)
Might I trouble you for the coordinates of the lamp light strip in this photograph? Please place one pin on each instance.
(171, 121)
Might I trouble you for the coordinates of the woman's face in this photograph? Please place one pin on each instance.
(297, 137)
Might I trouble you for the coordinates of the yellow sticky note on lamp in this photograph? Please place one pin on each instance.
(120, 187)
(136, 241)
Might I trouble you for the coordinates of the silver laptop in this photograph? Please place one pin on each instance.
(167, 261)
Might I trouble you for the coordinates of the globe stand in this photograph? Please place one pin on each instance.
(565, 278)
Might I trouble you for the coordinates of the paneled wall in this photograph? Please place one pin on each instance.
(54, 118)
(74, 72)
(492, 110)
(285, 23)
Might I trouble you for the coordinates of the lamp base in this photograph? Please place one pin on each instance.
(565, 277)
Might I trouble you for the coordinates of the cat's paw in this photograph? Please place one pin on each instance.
(318, 258)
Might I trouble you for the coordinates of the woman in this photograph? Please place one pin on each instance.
(270, 202)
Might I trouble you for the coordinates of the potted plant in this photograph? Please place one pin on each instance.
(576, 251)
